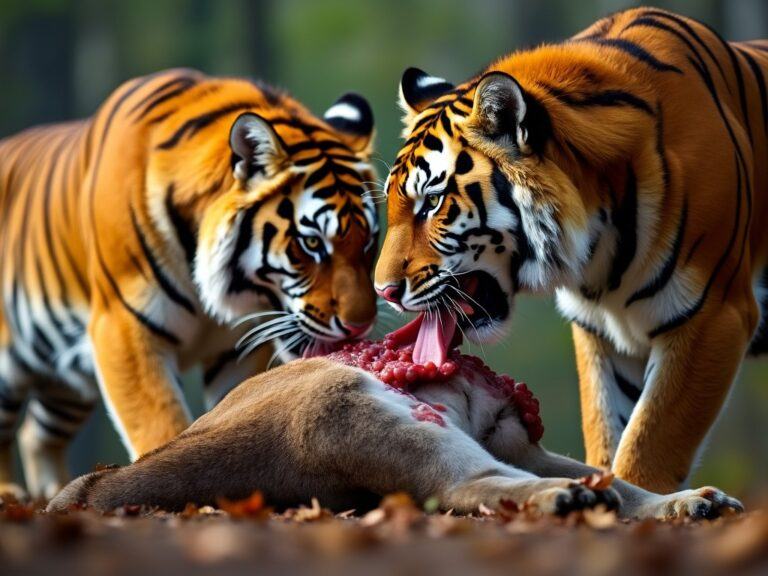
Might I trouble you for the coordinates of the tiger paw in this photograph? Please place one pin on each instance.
(700, 504)
(574, 496)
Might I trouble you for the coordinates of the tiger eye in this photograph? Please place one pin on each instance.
(312, 242)
(433, 200)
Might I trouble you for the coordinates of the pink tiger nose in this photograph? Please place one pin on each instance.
(356, 329)
(392, 292)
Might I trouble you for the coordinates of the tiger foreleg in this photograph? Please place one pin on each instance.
(139, 389)
(600, 418)
(691, 372)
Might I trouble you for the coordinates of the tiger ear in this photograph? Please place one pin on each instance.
(418, 89)
(352, 118)
(504, 114)
(256, 148)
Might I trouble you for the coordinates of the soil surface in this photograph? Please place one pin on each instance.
(247, 537)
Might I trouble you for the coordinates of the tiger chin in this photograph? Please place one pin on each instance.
(622, 170)
(318, 428)
(135, 241)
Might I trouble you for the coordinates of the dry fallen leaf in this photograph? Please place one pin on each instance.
(483, 510)
(17, 512)
(396, 514)
(311, 514)
(599, 518)
(250, 507)
(598, 480)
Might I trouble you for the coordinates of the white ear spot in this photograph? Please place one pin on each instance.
(425, 81)
(343, 111)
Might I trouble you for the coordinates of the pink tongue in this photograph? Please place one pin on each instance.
(434, 338)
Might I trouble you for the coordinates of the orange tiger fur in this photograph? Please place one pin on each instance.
(625, 169)
(131, 239)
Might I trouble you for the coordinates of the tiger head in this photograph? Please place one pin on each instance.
(480, 205)
(290, 236)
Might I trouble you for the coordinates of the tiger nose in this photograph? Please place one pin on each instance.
(354, 329)
(392, 292)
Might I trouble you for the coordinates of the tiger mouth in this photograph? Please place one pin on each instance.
(478, 299)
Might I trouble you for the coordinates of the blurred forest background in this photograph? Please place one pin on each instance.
(59, 60)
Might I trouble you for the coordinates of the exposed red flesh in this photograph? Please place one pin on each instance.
(392, 362)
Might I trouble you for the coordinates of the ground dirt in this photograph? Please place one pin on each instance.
(247, 537)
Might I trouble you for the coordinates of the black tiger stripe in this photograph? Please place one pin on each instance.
(318, 175)
(605, 98)
(153, 327)
(194, 125)
(162, 88)
(61, 285)
(157, 271)
(685, 316)
(58, 325)
(694, 247)
(700, 66)
(626, 387)
(212, 372)
(623, 420)
(182, 85)
(425, 120)
(298, 124)
(432, 142)
(589, 328)
(446, 124)
(649, 21)
(660, 147)
(624, 218)
(71, 403)
(634, 50)
(76, 272)
(736, 65)
(19, 361)
(321, 145)
(47, 228)
(41, 344)
(238, 282)
(67, 185)
(309, 160)
(51, 429)
(503, 188)
(20, 250)
(157, 92)
(59, 412)
(760, 81)
(741, 165)
(314, 318)
(183, 229)
(7, 402)
(670, 265)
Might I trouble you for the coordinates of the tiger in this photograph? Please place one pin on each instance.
(624, 171)
(141, 242)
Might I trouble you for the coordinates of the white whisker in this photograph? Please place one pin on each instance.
(257, 315)
(267, 326)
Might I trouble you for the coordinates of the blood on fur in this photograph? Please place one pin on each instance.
(392, 363)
